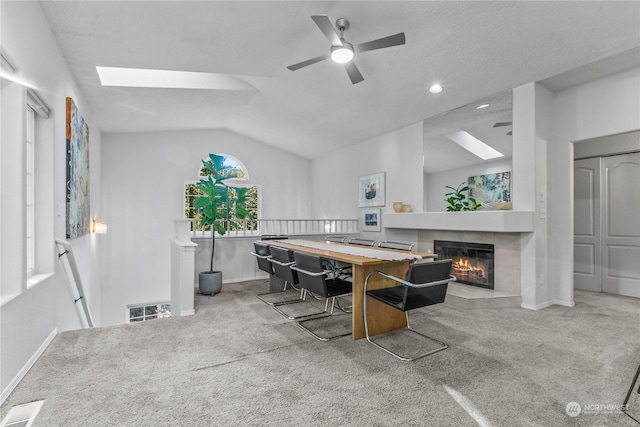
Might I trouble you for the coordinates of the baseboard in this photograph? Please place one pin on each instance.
(237, 280)
(548, 304)
(245, 279)
(32, 360)
(187, 312)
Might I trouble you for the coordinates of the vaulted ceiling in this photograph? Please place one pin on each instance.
(474, 49)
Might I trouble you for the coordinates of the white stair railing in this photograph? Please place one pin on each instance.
(288, 227)
(70, 269)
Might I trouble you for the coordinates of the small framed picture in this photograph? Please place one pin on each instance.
(371, 220)
(371, 190)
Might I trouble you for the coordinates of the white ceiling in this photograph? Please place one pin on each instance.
(474, 49)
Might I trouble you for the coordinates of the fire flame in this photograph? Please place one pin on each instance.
(463, 268)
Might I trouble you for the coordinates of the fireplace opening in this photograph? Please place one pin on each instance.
(472, 262)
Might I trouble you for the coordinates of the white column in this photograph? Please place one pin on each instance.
(183, 255)
(532, 105)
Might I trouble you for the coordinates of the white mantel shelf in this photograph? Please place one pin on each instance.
(487, 221)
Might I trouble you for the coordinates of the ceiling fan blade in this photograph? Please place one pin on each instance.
(322, 21)
(501, 124)
(389, 41)
(354, 73)
(302, 64)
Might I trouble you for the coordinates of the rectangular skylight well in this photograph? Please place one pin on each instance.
(168, 79)
(474, 145)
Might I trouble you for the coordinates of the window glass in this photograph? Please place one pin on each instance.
(191, 193)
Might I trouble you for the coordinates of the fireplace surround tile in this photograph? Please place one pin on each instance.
(507, 253)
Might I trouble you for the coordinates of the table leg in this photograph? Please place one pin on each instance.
(381, 318)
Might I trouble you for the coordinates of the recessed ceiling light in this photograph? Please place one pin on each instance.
(480, 107)
(138, 77)
(435, 88)
(474, 145)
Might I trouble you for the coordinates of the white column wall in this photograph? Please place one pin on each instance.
(143, 194)
(531, 121)
(334, 177)
(31, 319)
(602, 107)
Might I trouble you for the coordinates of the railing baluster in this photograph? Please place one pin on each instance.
(255, 227)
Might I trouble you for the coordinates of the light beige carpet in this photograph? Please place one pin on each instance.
(237, 362)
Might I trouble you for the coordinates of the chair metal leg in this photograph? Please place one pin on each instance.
(625, 407)
(304, 293)
(326, 308)
(408, 328)
(291, 301)
(347, 309)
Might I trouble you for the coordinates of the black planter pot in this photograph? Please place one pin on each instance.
(210, 282)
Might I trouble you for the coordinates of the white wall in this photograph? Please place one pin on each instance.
(30, 319)
(335, 177)
(435, 182)
(603, 107)
(143, 193)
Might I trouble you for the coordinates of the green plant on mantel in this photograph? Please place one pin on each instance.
(458, 200)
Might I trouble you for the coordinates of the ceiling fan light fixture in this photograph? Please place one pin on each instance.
(342, 54)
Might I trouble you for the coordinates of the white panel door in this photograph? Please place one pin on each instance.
(621, 224)
(587, 260)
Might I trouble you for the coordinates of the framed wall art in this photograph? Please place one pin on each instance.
(371, 189)
(493, 190)
(371, 220)
(77, 191)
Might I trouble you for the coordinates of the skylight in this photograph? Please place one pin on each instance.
(168, 79)
(474, 145)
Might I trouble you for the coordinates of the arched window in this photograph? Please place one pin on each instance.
(235, 168)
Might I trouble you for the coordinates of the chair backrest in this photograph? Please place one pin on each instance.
(426, 272)
(284, 272)
(312, 264)
(403, 246)
(361, 242)
(335, 239)
(262, 249)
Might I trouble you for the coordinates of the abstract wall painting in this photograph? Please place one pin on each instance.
(371, 190)
(77, 192)
(493, 190)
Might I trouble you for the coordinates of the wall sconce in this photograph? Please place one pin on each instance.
(99, 226)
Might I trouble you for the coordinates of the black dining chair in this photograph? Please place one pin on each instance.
(314, 277)
(402, 246)
(282, 260)
(361, 242)
(425, 284)
(263, 258)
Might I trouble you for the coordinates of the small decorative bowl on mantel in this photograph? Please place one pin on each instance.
(407, 208)
(397, 206)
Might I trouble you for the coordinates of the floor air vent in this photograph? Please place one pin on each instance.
(22, 415)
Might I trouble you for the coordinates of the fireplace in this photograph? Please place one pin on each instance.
(472, 262)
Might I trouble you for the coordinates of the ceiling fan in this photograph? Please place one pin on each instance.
(342, 51)
(502, 124)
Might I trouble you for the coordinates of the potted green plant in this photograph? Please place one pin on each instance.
(458, 200)
(220, 206)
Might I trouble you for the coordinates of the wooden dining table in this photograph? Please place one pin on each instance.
(380, 317)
